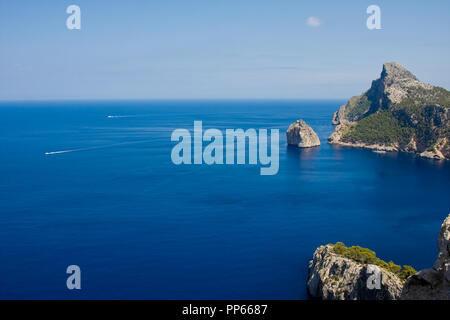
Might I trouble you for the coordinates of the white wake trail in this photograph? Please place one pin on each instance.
(74, 150)
(57, 152)
(93, 148)
(112, 116)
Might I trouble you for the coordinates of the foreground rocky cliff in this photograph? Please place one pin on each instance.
(340, 273)
(434, 283)
(397, 113)
(301, 135)
(334, 277)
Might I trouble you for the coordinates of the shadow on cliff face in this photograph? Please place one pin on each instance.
(364, 293)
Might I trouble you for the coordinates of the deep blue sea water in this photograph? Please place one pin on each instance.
(141, 227)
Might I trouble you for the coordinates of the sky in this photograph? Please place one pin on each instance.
(215, 49)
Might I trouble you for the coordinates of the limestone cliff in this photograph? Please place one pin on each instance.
(301, 135)
(334, 277)
(397, 113)
(434, 283)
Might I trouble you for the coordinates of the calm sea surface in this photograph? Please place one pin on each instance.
(141, 227)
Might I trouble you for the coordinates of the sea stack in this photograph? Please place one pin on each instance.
(301, 135)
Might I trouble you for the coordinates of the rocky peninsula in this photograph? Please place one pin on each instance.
(337, 272)
(301, 135)
(397, 113)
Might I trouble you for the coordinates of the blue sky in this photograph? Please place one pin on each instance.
(213, 49)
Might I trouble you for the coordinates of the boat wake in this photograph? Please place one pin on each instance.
(129, 116)
(73, 150)
(57, 152)
(94, 148)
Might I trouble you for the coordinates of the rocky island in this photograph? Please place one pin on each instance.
(397, 113)
(301, 135)
(337, 272)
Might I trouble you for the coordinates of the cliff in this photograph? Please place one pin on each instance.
(397, 113)
(434, 283)
(335, 277)
(301, 135)
(340, 273)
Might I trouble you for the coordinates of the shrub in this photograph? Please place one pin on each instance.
(381, 127)
(367, 256)
(361, 106)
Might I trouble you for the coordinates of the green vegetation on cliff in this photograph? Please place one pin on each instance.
(381, 128)
(367, 256)
(418, 96)
(397, 111)
(357, 107)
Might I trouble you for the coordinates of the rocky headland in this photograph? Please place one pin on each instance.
(337, 272)
(301, 135)
(340, 273)
(397, 113)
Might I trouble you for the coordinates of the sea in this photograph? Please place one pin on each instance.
(92, 184)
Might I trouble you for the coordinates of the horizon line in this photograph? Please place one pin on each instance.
(169, 99)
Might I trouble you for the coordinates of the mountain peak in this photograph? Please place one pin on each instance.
(395, 71)
(398, 112)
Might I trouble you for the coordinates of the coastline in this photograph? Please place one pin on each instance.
(375, 147)
(379, 147)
